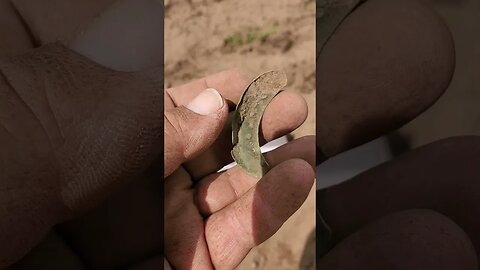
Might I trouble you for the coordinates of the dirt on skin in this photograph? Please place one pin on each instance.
(203, 37)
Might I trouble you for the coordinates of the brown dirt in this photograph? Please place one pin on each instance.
(203, 37)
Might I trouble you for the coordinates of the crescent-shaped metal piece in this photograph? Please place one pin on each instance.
(246, 121)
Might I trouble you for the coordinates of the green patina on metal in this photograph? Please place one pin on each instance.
(246, 121)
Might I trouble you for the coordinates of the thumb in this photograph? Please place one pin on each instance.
(191, 129)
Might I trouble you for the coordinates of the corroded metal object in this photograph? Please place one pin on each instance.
(246, 121)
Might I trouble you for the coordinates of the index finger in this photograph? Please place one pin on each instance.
(370, 81)
(230, 84)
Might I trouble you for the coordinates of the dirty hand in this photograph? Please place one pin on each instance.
(212, 220)
(71, 132)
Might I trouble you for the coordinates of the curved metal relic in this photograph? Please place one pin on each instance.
(246, 121)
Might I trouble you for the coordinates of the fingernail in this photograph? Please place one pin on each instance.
(207, 102)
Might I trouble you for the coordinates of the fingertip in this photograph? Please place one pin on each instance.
(286, 186)
(188, 134)
(300, 173)
(231, 83)
(286, 112)
(207, 102)
(398, 78)
(278, 195)
(212, 195)
(201, 196)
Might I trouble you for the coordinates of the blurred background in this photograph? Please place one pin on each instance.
(203, 37)
(456, 113)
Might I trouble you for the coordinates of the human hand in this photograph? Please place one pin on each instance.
(374, 216)
(214, 219)
(72, 133)
(369, 85)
